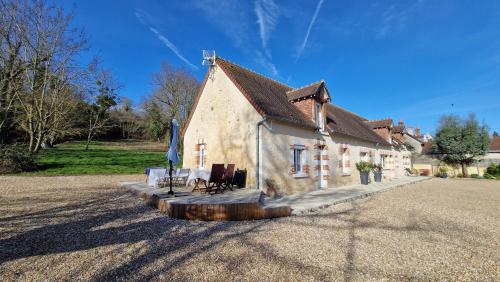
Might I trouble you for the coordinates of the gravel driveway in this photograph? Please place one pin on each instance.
(62, 228)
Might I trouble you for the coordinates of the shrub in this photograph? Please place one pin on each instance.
(272, 189)
(493, 170)
(443, 169)
(488, 176)
(16, 158)
(442, 172)
(363, 166)
(459, 175)
(474, 175)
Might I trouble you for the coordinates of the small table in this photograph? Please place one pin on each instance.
(198, 176)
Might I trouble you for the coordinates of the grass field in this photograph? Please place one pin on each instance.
(111, 157)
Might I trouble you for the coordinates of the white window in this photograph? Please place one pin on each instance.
(319, 116)
(382, 161)
(201, 163)
(297, 161)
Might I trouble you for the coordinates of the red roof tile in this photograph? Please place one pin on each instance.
(398, 129)
(344, 122)
(266, 95)
(379, 123)
(306, 91)
(495, 144)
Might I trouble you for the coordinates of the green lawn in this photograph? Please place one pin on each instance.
(124, 157)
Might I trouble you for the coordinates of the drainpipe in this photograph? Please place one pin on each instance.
(257, 170)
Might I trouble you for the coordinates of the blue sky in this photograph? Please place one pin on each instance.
(410, 60)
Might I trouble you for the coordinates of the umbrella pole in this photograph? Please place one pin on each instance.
(171, 192)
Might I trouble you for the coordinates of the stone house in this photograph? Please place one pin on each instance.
(295, 137)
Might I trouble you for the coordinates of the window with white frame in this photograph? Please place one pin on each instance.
(383, 161)
(319, 116)
(297, 160)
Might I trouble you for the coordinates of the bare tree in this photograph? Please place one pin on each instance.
(48, 48)
(63, 122)
(176, 90)
(11, 67)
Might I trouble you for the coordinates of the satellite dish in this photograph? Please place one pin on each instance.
(208, 58)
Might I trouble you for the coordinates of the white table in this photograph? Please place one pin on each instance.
(198, 174)
(156, 173)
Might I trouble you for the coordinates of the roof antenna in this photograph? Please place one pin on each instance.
(209, 60)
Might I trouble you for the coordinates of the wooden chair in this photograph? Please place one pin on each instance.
(215, 182)
(227, 179)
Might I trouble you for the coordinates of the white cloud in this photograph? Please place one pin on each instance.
(229, 18)
(269, 66)
(306, 38)
(394, 18)
(267, 14)
(165, 41)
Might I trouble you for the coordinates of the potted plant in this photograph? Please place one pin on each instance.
(364, 171)
(377, 172)
(272, 189)
(443, 172)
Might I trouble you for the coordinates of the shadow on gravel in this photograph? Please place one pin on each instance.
(174, 242)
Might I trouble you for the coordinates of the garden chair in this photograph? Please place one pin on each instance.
(227, 179)
(215, 181)
(165, 180)
(182, 176)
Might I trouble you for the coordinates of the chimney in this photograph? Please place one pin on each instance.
(417, 132)
(400, 122)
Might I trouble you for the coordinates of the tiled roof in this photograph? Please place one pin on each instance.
(344, 122)
(398, 129)
(495, 144)
(306, 91)
(272, 100)
(379, 123)
(398, 138)
(267, 96)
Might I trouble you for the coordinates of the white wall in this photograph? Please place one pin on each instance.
(227, 122)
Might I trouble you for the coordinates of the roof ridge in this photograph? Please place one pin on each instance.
(305, 86)
(375, 120)
(252, 71)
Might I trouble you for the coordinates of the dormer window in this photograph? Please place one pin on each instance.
(319, 116)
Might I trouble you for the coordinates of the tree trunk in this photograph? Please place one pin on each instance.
(89, 137)
(464, 170)
(32, 139)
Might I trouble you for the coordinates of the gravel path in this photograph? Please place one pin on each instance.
(85, 227)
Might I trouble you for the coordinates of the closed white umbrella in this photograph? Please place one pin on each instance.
(172, 155)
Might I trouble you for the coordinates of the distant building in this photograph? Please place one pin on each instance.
(429, 160)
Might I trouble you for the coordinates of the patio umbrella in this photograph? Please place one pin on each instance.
(172, 155)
